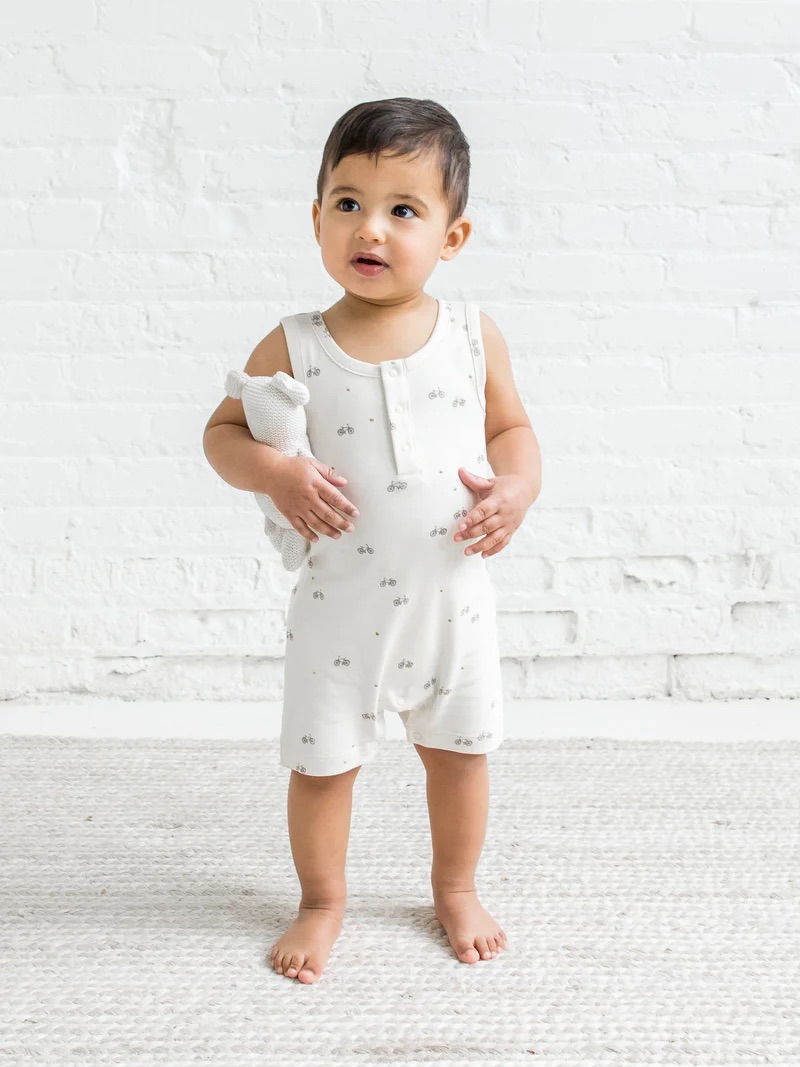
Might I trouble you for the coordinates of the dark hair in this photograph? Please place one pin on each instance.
(403, 126)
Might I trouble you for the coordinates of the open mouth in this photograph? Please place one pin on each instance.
(368, 266)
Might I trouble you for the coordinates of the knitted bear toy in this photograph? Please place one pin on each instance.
(273, 407)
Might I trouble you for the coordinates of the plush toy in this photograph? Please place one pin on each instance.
(273, 407)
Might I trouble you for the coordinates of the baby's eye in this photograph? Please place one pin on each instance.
(350, 200)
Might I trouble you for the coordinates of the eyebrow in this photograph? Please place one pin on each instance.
(352, 189)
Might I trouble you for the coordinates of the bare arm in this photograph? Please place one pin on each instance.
(239, 459)
(513, 454)
(229, 446)
(303, 489)
(511, 445)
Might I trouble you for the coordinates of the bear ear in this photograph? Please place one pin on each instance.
(296, 391)
(235, 383)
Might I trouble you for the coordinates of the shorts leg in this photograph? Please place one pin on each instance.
(464, 713)
(331, 746)
(462, 729)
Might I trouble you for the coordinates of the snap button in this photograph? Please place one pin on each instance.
(417, 736)
(393, 368)
(398, 407)
(401, 700)
(405, 448)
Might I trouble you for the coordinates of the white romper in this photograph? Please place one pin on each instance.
(393, 616)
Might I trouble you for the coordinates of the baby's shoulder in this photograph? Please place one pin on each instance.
(270, 355)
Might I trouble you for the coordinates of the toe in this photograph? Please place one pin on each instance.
(482, 947)
(295, 963)
(490, 941)
(468, 953)
(308, 975)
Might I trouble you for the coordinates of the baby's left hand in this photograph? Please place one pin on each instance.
(504, 501)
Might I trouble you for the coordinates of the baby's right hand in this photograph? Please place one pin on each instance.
(303, 490)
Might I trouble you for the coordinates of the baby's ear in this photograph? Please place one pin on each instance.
(290, 386)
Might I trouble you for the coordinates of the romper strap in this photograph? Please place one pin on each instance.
(299, 341)
(473, 322)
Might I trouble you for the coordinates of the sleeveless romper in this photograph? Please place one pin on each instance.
(393, 616)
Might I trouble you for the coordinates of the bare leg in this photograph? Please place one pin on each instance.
(458, 806)
(319, 811)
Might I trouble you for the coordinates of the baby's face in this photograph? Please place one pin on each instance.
(393, 208)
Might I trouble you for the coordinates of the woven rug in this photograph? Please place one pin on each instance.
(650, 891)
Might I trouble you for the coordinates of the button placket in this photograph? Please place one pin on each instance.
(395, 389)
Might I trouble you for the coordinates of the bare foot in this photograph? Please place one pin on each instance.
(471, 930)
(303, 950)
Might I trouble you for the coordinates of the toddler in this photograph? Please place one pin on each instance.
(408, 396)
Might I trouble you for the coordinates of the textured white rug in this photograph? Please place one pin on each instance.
(650, 891)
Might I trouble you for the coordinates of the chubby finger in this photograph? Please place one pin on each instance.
(339, 501)
(332, 476)
(303, 528)
(486, 525)
(476, 517)
(489, 545)
(332, 521)
(325, 470)
(323, 525)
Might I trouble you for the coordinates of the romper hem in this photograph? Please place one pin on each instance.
(356, 757)
(447, 742)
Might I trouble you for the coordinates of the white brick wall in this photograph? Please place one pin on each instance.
(636, 198)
